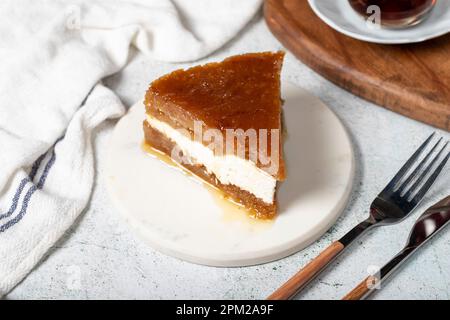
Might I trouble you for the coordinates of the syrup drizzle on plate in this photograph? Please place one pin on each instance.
(233, 212)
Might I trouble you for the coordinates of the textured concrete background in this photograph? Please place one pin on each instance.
(99, 257)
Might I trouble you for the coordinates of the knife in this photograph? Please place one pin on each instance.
(429, 223)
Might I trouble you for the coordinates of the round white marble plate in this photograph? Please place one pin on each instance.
(340, 16)
(179, 216)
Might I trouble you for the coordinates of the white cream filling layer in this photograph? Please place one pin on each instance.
(229, 169)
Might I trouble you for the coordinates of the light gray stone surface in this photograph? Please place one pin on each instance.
(100, 258)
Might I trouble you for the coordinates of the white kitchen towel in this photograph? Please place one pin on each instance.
(53, 55)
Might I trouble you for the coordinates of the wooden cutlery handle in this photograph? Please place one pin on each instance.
(362, 289)
(301, 278)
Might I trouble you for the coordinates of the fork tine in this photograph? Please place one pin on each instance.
(424, 173)
(390, 186)
(418, 168)
(421, 193)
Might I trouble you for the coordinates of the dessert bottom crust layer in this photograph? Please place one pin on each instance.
(261, 209)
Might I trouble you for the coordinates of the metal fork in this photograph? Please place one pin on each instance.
(397, 200)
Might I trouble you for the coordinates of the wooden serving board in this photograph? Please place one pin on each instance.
(411, 79)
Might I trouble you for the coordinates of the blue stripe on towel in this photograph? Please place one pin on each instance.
(22, 185)
(28, 195)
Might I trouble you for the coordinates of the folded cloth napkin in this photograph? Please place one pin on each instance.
(53, 55)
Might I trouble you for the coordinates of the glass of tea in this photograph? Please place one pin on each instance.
(394, 13)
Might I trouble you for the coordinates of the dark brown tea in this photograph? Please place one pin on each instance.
(395, 13)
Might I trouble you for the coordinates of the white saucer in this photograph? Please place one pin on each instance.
(340, 16)
(179, 216)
